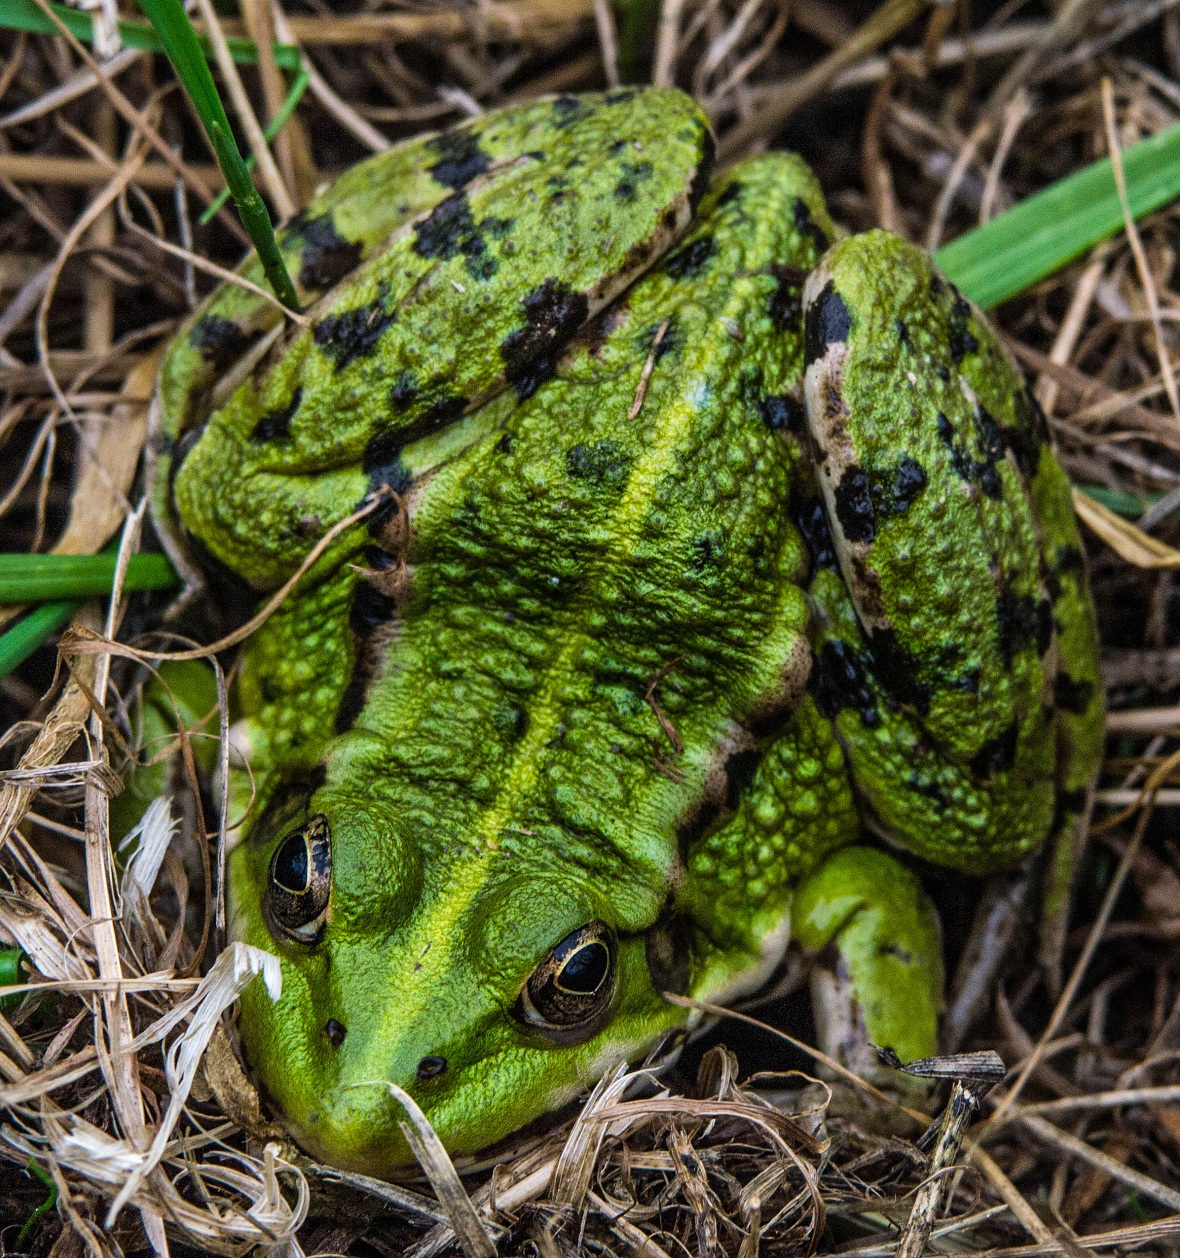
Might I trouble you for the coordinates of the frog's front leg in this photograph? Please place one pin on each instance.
(878, 977)
(955, 647)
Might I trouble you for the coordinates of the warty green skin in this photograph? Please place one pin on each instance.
(605, 661)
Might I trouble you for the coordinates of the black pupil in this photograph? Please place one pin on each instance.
(290, 870)
(585, 970)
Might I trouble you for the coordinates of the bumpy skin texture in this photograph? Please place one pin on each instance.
(604, 665)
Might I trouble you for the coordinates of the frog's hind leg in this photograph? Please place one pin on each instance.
(955, 648)
(877, 978)
(1077, 694)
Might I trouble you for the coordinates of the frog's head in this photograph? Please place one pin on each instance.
(489, 988)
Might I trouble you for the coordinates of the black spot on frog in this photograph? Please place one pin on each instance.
(786, 302)
(353, 334)
(449, 231)
(959, 336)
(827, 321)
(982, 473)
(897, 671)
(382, 461)
(351, 704)
(863, 498)
(992, 444)
(807, 227)
(840, 681)
(326, 257)
(276, 425)
(443, 411)
(634, 174)
(908, 483)
(553, 314)
(460, 159)
(370, 608)
(567, 110)
(688, 262)
(811, 519)
(782, 413)
(854, 506)
(703, 172)
(370, 613)
(1022, 620)
(1071, 694)
(603, 462)
(220, 341)
(996, 755)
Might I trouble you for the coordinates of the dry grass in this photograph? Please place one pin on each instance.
(925, 126)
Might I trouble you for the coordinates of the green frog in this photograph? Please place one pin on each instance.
(712, 562)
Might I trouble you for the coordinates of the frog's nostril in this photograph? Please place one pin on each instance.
(335, 1031)
(431, 1067)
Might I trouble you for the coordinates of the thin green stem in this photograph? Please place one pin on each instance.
(298, 87)
(35, 1169)
(184, 51)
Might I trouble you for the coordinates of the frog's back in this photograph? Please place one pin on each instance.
(412, 254)
(606, 587)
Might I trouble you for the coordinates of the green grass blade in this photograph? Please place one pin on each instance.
(298, 87)
(1128, 506)
(25, 15)
(1052, 227)
(184, 51)
(12, 967)
(36, 578)
(28, 634)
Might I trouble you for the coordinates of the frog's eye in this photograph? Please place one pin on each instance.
(299, 880)
(570, 991)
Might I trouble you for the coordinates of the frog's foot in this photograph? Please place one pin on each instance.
(877, 976)
(961, 672)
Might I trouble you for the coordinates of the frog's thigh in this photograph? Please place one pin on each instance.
(925, 460)
(881, 934)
